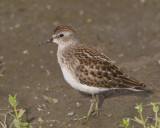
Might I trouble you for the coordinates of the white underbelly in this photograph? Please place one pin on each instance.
(71, 79)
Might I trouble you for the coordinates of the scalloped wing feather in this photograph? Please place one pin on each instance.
(96, 69)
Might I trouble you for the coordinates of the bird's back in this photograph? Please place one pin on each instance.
(97, 70)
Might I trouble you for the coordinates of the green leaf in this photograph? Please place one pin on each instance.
(20, 114)
(24, 124)
(138, 120)
(125, 122)
(30, 126)
(155, 109)
(122, 125)
(140, 108)
(16, 123)
(89, 20)
(12, 100)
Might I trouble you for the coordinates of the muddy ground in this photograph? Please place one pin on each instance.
(127, 31)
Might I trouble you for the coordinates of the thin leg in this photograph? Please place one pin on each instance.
(95, 99)
(91, 107)
(96, 110)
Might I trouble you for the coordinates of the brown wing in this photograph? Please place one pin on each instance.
(95, 69)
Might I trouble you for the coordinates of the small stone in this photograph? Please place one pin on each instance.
(120, 55)
(51, 125)
(78, 104)
(158, 61)
(27, 86)
(55, 100)
(17, 26)
(48, 72)
(44, 106)
(39, 109)
(48, 113)
(69, 125)
(47, 88)
(48, 7)
(25, 52)
(48, 99)
(71, 113)
(142, 1)
(51, 52)
(40, 120)
(81, 12)
(35, 97)
(1, 57)
(41, 66)
(11, 28)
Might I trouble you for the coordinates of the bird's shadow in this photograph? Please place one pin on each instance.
(119, 92)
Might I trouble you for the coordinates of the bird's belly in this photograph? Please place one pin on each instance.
(74, 82)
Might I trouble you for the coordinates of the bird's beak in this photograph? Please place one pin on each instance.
(46, 41)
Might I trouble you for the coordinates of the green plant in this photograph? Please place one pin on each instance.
(16, 114)
(144, 121)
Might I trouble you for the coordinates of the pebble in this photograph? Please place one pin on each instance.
(25, 52)
(41, 66)
(48, 72)
(158, 61)
(40, 120)
(39, 109)
(55, 100)
(47, 88)
(78, 104)
(120, 55)
(69, 125)
(44, 106)
(48, 7)
(27, 86)
(17, 26)
(51, 52)
(50, 100)
(142, 1)
(35, 97)
(71, 113)
(51, 125)
(81, 12)
(1, 57)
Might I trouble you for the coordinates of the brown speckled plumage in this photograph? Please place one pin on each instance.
(95, 69)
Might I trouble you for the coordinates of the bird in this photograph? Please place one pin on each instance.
(88, 70)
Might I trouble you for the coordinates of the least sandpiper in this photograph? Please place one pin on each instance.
(87, 69)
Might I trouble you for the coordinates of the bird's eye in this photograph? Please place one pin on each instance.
(61, 35)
